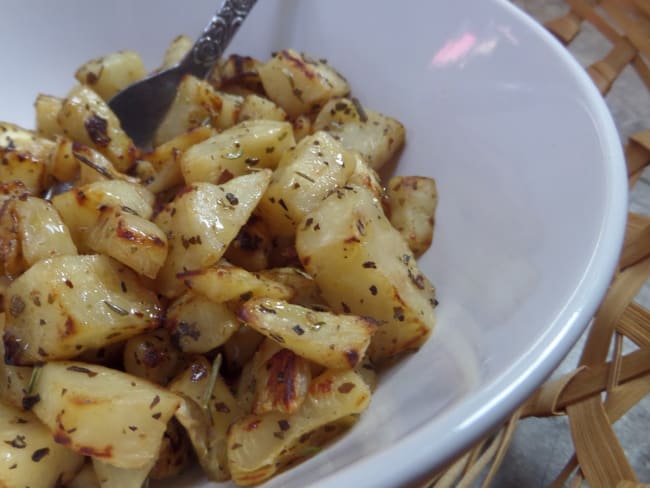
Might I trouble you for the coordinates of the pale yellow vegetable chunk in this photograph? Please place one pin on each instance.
(30, 230)
(86, 118)
(175, 454)
(43, 234)
(130, 239)
(110, 476)
(11, 259)
(103, 413)
(16, 139)
(413, 201)
(23, 167)
(207, 412)
(363, 266)
(85, 478)
(25, 157)
(64, 305)
(230, 107)
(195, 102)
(252, 246)
(238, 73)
(246, 391)
(221, 283)
(111, 73)
(165, 159)
(64, 166)
(176, 51)
(305, 175)
(256, 107)
(47, 109)
(305, 289)
(237, 151)
(300, 84)
(29, 454)
(376, 137)
(14, 380)
(256, 443)
(334, 341)
(281, 383)
(367, 177)
(94, 166)
(152, 356)
(200, 223)
(199, 325)
(79, 208)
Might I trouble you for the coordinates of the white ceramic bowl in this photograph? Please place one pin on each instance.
(529, 170)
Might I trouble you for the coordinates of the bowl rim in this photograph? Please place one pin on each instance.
(494, 402)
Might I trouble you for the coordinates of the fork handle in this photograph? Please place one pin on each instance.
(211, 44)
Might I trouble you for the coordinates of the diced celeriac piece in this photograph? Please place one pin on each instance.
(282, 383)
(104, 413)
(413, 201)
(165, 159)
(42, 232)
(64, 305)
(130, 239)
(246, 391)
(207, 411)
(47, 109)
(221, 283)
(63, 164)
(30, 455)
(86, 118)
(367, 177)
(16, 139)
(240, 72)
(175, 453)
(111, 73)
(256, 443)
(176, 51)
(30, 230)
(94, 166)
(199, 325)
(25, 157)
(79, 207)
(244, 148)
(302, 126)
(305, 175)
(241, 347)
(85, 478)
(300, 84)
(256, 107)
(305, 289)
(110, 476)
(195, 102)
(334, 341)
(251, 248)
(363, 266)
(376, 137)
(14, 380)
(152, 356)
(11, 258)
(201, 222)
(230, 107)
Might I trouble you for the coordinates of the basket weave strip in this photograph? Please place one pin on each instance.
(628, 31)
(591, 430)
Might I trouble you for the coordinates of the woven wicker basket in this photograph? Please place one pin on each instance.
(607, 382)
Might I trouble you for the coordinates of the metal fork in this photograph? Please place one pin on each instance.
(142, 105)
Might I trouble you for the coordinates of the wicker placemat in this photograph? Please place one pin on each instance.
(607, 382)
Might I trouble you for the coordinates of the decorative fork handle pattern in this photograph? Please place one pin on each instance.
(217, 35)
